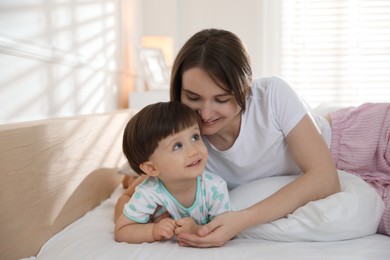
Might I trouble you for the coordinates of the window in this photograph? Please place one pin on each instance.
(336, 51)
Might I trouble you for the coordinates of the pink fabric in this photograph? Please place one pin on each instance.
(384, 225)
(361, 145)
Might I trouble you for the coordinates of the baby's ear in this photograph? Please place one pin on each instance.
(149, 168)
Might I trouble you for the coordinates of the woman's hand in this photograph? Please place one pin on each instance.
(216, 233)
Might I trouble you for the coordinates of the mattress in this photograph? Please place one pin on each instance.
(92, 237)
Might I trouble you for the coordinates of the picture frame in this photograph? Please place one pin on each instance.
(154, 68)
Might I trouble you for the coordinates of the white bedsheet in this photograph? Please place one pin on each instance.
(91, 237)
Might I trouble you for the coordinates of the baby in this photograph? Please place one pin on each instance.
(163, 141)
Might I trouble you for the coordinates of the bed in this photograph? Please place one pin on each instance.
(60, 181)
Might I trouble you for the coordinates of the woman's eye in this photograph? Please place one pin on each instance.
(177, 146)
(192, 98)
(223, 100)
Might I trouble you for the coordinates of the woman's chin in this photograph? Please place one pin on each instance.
(208, 130)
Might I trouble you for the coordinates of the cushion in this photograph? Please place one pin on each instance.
(353, 212)
(125, 169)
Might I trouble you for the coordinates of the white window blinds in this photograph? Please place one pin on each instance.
(336, 51)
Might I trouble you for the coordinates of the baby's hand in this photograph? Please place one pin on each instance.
(164, 229)
(186, 225)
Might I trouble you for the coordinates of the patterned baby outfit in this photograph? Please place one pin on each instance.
(212, 198)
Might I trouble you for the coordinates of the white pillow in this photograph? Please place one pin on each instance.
(353, 212)
(125, 169)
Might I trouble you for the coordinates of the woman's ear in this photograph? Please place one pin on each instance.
(149, 168)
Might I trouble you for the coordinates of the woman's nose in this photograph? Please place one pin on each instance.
(204, 111)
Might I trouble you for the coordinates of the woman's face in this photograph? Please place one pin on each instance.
(217, 108)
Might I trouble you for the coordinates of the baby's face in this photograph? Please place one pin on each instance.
(181, 156)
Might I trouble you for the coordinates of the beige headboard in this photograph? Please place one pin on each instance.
(53, 172)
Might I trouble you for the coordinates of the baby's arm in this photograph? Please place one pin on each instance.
(127, 230)
(130, 183)
(186, 225)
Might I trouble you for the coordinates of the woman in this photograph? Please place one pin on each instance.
(256, 129)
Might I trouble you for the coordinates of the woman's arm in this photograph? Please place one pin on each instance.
(129, 231)
(319, 180)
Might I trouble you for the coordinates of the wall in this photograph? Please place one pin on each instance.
(61, 58)
(254, 21)
(66, 57)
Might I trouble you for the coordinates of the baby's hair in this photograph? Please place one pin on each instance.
(152, 124)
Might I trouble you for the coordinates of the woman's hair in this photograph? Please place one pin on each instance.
(149, 126)
(219, 53)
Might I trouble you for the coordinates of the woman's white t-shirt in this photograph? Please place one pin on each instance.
(273, 109)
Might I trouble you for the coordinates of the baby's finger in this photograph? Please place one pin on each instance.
(178, 230)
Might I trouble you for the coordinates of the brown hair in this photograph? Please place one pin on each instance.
(219, 53)
(152, 124)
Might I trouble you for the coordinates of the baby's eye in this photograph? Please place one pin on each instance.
(177, 146)
(195, 137)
